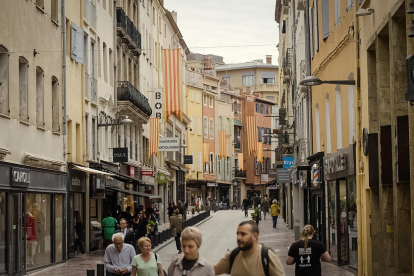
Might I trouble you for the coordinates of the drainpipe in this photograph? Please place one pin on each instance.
(64, 77)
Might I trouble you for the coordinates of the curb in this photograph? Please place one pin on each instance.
(172, 239)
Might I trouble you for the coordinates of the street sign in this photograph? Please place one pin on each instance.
(158, 101)
(169, 144)
(288, 161)
(283, 176)
(188, 159)
(120, 155)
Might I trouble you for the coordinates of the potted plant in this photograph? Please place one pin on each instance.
(151, 225)
(193, 210)
(202, 206)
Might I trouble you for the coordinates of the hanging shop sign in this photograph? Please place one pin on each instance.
(147, 173)
(20, 177)
(157, 107)
(77, 180)
(211, 184)
(98, 183)
(288, 161)
(339, 164)
(169, 144)
(283, 176)
(272, 173)
(315, 175)
(264, 177)
(188, 159)
(162, 178)
(120, 155)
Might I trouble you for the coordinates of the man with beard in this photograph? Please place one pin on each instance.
(250, 258)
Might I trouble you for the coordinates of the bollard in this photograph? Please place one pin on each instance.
(168, 234)
(152, 242)
(156, 239)
(100, 270)
(90, 272)
(161, 237)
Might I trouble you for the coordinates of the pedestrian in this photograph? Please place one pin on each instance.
(108, 228)
(264, 206)
(250, 258)
(129, 237)
(171, 209)
(246, 204)
(176, 228)
(119, 256)
(180, 207)
(127, 215)
(191, 263)
(146, 263)
(307, 254)
(151, 217)
(256, 201)
(80, 233)
(274, 212)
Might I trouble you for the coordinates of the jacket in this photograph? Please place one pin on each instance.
(265, 206)
(200, 268)
(129, 237)
(274, 210)
(176, 224)
(246, 202)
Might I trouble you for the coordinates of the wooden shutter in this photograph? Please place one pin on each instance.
(403, 142)
(315, 23)
(386, 155)
(311, 31)
(373, 160)
(325, 18)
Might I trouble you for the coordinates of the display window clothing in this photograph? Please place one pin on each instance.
(149, 268)
(250, 264)
(108, 226)
(30, 227)
(308, 261)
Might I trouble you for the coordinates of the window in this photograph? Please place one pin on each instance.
(198, 97)
(211, 128)
(137, 135)
(315, 24)
(105, 62)
(55, 105)
(338, 119)
(228, 165)
(317, 132)
(228, 127)
(93, 59)
(200, 162)
(337, 11)
(235, 107)
(227, 79)
(205, 100)
(267, 109)
(192, 125)
(268, 80)
(40, 99)
(218, 165)
(260, 134)
(205, 123)
(76, 43)
(311, 31)
(199, 126)
(40, 4)
(247, 80)
(111, 63)
(255, 166)
(349, 5)
(351, 113)
(4, 81)
(192, 165)
(54, 10)
(23, 99)
(192, 96)
(153, 15)
(211, 163)
(325, 18)
(328, 124)
(257, 108)
(211, 102)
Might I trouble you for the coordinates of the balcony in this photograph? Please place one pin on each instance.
(240, 173)
(127, 92)
(127, 30)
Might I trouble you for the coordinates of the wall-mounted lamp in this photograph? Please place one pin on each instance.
(363, 12)
(312, 81)
(411, 8)
(411, 33)
(124, 121)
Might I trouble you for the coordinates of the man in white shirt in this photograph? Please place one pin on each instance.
(119, 256)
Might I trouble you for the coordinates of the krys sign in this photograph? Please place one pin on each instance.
(288, 161)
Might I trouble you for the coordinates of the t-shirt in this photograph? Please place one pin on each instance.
(308, 262)
(149, 268)
(250, 264)
(188, 264)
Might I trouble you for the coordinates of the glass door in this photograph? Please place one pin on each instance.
(16, 238)
(343, 222)
(332, 220)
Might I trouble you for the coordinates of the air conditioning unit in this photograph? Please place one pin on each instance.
(301, 5)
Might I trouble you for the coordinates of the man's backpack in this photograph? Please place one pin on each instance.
(265, 258)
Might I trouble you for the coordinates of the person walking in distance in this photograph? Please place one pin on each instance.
(274, 212)
(80, 233)
(265, 207)
(250, 258)
(246, 204)
(176, 228)
(108, 226)
(307, 254)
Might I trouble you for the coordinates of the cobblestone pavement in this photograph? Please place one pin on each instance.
(219, 235)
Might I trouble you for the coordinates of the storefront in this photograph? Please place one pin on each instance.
(236, 195)
(31, 218)
(339, 173)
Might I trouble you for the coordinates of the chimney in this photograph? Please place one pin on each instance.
(174, 16)
(268, 59)
(207, 63)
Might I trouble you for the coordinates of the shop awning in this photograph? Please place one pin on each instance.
(238, 123)
(129, 192)
(271, 182)
(89, 170)
(126, 178)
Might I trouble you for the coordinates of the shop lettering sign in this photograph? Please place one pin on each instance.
(147, 173)
(158, 101)
(339, 164)
(20, 177)
(120, 155)
(336, 163)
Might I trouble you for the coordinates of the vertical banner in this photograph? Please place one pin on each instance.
(222, 144)
(157, 109)
(154, 136)
(206, 150)
(252, 134)
(259, 152)
(172, 71)
(240, 161)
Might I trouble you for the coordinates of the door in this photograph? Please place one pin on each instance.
(343, 222)
(16, 253)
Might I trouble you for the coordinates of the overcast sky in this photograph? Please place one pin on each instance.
(213, 23)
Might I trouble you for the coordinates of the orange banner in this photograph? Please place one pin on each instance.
(260, 152)
(154, 136)
(206, 153)
(252, 134)
(240, 161)
(222, 144)
(173, 81)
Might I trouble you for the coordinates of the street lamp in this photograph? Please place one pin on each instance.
(312, 81)
(363, 12)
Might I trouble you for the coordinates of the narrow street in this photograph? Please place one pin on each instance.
(219, 235)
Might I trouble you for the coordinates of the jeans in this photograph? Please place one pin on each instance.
(246, 210)
(177, 241)
(274, 221)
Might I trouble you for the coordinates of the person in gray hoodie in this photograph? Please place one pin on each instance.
(191, 263)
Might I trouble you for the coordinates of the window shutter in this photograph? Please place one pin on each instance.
(311, 31)
(315, 23)
(73, 41)
(349, 5)
(325, 18)
(76, 43)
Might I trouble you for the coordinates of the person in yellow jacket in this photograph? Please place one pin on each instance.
(274, 212)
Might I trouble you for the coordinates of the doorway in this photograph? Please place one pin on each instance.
(16, 253)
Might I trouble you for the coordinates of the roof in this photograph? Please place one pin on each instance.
(245, 65)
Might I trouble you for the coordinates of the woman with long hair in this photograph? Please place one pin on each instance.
(307, 254)
(80, 232)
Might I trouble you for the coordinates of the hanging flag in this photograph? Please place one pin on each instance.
(154, 136)
(222, 144)
(206, 150)
(259, 152)
(240, 161)
(172, 71)
(252, 134)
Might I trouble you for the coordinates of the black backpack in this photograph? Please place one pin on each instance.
(265, 258)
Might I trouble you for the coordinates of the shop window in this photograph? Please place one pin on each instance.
(4, 81)
(352, 219)
(2, 233)
(40, 98)
(38, 225)
(23, 99)
(55, 105)
(332, 221)
(59, 228)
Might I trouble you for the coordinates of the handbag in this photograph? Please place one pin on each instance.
(156, 260)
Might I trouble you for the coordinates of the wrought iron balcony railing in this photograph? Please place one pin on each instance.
(240, 173)
(125, 23)
(127, 92)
